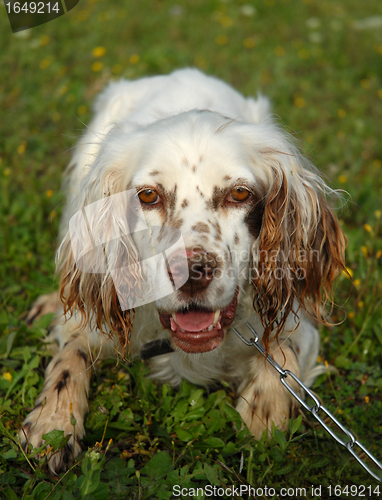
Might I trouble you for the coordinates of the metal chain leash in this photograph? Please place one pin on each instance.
(352, 442)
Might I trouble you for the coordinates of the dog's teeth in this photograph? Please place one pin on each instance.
(216, 317)
(174, 318)
(218, 326)
(210, 328)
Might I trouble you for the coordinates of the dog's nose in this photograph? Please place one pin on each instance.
(201, 268)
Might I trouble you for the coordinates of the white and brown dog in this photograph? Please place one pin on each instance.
(258, 242)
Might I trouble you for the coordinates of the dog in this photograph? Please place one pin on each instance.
(189, 212)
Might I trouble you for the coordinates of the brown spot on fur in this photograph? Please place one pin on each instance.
(194, 168)
(82, 354)
(184, 203)
(199, 191)
(185, 161)
(26, 429)
(217, 228)
(73, 337)
(39, 405)
(230, 253)
(267, 413)
(63, 382)
(154, 172)
(236, 239)
(218, 197)
(57, 363)
(227, 178)
(291, 410)
(200, 158)
(177, 223)
(201, 227)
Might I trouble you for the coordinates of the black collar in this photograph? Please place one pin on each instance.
(156, 348)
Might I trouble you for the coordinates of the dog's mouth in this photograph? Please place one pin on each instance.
(198, 330)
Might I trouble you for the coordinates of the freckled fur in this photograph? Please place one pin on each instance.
(201, 227)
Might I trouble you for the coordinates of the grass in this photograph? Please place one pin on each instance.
(324, 76)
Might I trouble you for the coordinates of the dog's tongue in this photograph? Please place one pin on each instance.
(194, 321)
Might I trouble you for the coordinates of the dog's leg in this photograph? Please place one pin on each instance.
(62, 404)
(262, 398)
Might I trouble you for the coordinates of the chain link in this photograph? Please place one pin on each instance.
(317, 407)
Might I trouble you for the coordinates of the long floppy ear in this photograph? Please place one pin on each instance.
(301, 246)
(97, 244)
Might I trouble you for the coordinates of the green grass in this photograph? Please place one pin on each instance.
(324, 77)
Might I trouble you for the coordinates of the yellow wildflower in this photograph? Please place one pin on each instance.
(221, 40)
(45, 63)
(351, 314)
(117, 69)
(49, 193)
(98, 51)
(357, 282)
(348, 273)
(303, 54)
(341, 113)
(249, 42)
(7, 376)
(342, 179)
(44, 40)
(299, 102)
(364, 251)
(97, 66)
(279, 51)
(200, 62)
(367, 399)
(82, 109)
(134, 59)
(368, 228)
(21, 149)
(226, 21)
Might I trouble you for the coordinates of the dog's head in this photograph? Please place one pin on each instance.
(251, 213)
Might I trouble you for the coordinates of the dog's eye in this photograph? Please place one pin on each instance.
(148, 196)
(239, 194)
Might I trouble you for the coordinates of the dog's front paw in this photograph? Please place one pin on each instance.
(260, 408)
(263, 399)
(43, 420)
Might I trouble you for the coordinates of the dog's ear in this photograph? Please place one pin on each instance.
(99, 266)
(300, 248)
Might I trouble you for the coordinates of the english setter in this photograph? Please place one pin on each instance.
(184, 162)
